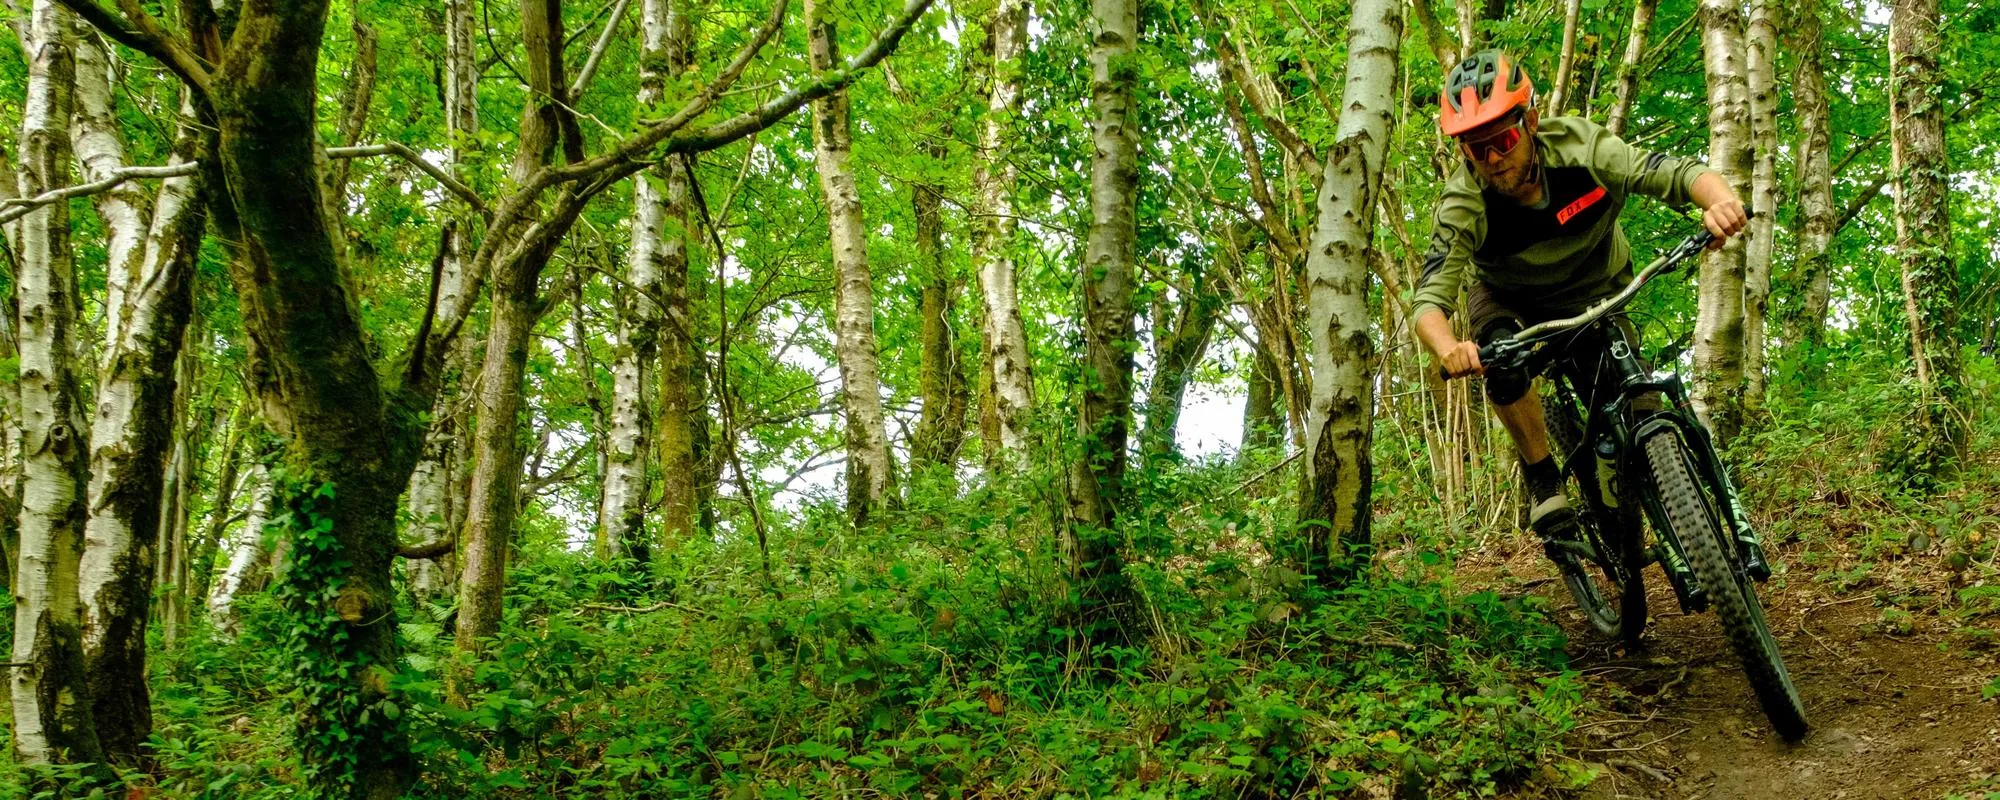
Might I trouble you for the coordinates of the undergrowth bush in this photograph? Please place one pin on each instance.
(931, 656)
(935, 654)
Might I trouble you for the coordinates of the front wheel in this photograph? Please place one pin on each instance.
(1731, 593)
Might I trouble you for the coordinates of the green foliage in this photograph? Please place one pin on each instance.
(931, 656)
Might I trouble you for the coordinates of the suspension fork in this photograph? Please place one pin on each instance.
(1708, 463)
(1709, 460)
(1609, 421)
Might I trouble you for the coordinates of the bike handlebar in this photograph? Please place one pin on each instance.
(1500, 349)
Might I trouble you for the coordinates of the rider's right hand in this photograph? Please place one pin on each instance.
(1462, 360)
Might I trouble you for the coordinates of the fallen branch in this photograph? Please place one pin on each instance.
(1650, 772)
(1246, 484)
(428, 550)
(1391, 644)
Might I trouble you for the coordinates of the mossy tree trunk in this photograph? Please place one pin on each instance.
(1931, 294)
(1817, 214)
(1104, 420)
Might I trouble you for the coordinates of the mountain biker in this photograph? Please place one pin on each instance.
(1531, 217)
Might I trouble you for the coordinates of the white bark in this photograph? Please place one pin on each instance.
(853, 291)
(1816, 211)
(1468, 24)
(1762, 57)
(1628, 68)
(1005, 338)
(52, 722)
(620, 517)
(1341, 413)
(100, 151)
(246, 553)
(153, 245)
(1567, 66)
(456, 290)
(430, 502)
(430, 494)
(1718, 343)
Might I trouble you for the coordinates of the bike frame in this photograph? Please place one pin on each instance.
(1613, 419)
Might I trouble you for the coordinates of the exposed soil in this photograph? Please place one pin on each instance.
(1894, 713)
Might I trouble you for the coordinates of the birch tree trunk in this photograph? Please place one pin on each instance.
(187, 434)
(1097, 478)
(1004, 337)
(1923, 232)
(152, 246)
(431, 499)
(1339, 470)
(51, 697)
(621, 518)
(1718, 343)
(1761, 50)
(227, 486)
(1817, 214)
(853, 289)
(246, 553)
(1468, 25)
(1566, 68)
(1628, 68)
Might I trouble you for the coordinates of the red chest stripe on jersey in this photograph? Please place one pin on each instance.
(1563, 217)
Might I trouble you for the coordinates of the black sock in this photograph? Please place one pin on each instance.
(1544, 480)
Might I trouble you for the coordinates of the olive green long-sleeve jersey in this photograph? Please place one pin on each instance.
(1561, 256)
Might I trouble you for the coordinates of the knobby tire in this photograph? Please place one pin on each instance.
(1732, 594)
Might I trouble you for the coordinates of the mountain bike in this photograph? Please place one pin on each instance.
(1632, 449)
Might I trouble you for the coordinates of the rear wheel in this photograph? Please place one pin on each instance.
(1608, 586)
(1731, 593)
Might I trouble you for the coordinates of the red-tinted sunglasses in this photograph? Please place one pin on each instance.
(1500, 142)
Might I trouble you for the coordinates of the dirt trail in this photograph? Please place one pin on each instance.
(1893, 716)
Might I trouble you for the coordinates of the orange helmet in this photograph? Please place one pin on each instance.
(1482, 88)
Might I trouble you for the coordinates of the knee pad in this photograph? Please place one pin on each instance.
(1504, 387)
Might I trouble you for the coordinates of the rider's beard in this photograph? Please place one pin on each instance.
(1518, 182)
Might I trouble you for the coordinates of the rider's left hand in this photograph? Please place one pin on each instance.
(1724, 219)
